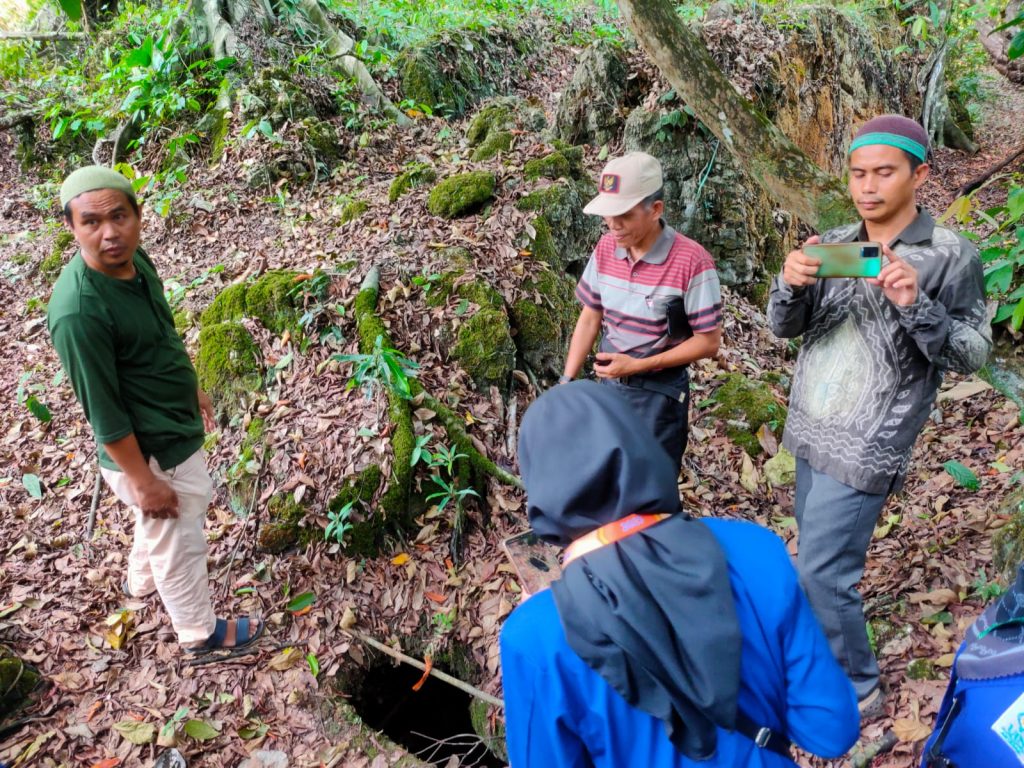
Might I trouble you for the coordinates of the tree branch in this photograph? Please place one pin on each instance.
(791, 178)
(43, 36)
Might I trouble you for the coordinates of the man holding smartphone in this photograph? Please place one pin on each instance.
(641, 273)
(874, 352)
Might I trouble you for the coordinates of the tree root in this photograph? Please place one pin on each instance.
(396, 498)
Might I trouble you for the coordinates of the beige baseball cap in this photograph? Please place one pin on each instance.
(624, 182)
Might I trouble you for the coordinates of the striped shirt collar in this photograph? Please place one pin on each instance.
(659, 251)
(916, 232)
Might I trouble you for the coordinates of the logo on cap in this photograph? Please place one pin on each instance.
(610, 183)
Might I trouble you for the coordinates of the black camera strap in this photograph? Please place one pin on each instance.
(764, 738)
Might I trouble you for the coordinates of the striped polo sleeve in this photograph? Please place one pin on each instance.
(588, 290)
(703, 293)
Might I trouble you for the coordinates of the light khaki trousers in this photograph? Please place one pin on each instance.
(170, 555)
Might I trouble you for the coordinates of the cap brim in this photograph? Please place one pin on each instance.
(611, 205)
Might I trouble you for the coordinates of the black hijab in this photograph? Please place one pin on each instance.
(652, 614)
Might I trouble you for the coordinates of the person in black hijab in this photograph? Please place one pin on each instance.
(667, 640)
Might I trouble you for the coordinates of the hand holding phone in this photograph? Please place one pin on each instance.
(846, 259)
(535, 562)
(800, 270)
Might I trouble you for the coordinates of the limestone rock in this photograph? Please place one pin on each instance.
(461, 194)
(563, 235)
(415, 175)
(229, 365)
(744, 405)
(544, 321)
(1008, 542)
(484, 348)
(453, 70)
(780, 469)
(730, 215)
(591, 108)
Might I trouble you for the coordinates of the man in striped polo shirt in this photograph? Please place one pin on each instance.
(641, 272)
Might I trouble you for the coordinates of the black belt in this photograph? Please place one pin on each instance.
(764, 738)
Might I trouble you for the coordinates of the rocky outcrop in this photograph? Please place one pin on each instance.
(595, 102)
(816, 78)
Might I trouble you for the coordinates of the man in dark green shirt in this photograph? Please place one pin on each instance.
(114, 333)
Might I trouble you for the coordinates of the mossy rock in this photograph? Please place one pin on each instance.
(322, 137)
(491, 118)
(484, 348)
(496, 141)
(365, 538)
(461, 194)
(17, 682)
(553, 166)
(564, 234)
(229, 365)
(183, 321)
(241, 482)
(51, 266)
(780, 469)
(271, 94)
(270, 299)
(922, 669)
(353, 210)
(1008, 542)
(416, 175)
(282, 529)
(544, 327)
(228, 305)
(455, 69)
(744, 405)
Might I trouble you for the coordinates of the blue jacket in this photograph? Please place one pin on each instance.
(561, 713)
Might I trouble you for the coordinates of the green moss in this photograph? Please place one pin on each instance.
(545, 325)
(574, 156)
(553, 166)
(228, 363)
(482, 294)
(745, 405)
(322, 138)
(270, 300)
(17, 682)
(282, 529)
(357, 489)
(183, 321)
(461, 194)
(496, 141)
(353, 210)
(415, 175)
(1008, 542)
(922, 669)
(484, 348)
(229, 304)
(543, 245)
(51, 266)
(493, 117)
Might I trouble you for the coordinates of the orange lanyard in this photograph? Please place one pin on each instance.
(609, 534)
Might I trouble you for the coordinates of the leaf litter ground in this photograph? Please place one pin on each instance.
(57, 590)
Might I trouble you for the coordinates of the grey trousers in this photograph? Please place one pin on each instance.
(835, 523)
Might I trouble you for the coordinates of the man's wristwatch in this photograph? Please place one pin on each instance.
(563, 379)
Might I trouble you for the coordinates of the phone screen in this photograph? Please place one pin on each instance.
(534, 561)
(846, 259)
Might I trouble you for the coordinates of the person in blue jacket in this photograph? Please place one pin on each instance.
(668, 640)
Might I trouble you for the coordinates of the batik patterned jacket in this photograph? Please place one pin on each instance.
(868, 370)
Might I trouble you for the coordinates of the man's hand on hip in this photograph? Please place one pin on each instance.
(155, 498)
(206, 409)
(799, 269)
(614, 365)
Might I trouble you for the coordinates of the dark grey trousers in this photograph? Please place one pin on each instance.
(665, 416)
(835, 523)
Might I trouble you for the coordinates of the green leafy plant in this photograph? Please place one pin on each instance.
(338, 523)
(985, 589)
(443, 460)
(27, 394)
(383, 366)
(175, 291)
(314, 294)
(962, 475)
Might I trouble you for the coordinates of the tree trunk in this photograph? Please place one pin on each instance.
(996, 45)
(791, 178)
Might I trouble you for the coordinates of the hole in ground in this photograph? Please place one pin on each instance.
(433, 723)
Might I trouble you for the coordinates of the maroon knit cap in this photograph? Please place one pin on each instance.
(895, 131)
